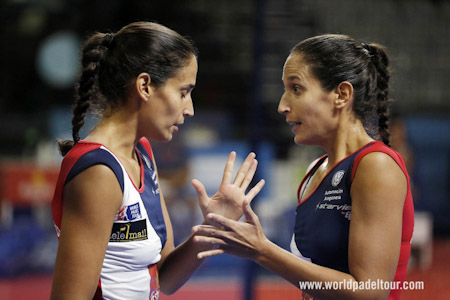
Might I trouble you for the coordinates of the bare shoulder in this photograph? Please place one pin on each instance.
(379, 164)
(378, 175)
(95, 187)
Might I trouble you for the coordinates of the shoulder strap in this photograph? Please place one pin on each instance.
(145, 142)
(378, 147)
(95, 157)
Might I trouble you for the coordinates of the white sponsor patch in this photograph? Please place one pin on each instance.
(337, 177)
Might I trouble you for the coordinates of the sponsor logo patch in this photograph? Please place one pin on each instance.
(337, 177)
(129, 213)
(129, 232)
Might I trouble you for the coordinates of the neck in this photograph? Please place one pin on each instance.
(118, 132)
(349, 138)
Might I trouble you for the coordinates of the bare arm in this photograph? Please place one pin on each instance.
(90, 202)
(177, 264)
(378, 193)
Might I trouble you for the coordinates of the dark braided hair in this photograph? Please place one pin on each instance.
(334, 58)
(381, 62)
(110, 62)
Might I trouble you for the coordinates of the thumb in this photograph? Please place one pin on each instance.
(201, 192)
(250, 216)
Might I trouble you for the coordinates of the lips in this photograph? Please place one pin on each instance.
(292, 123)
(177, 125)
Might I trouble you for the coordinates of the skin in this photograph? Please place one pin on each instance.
(92, 198)
(326, 119)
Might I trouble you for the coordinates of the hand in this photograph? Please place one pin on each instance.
(229, 197)
(244, 239)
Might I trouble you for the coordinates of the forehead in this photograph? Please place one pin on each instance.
(295, 68)
(188, 72)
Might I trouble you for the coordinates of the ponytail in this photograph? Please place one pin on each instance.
(86, 91)
(381, 63)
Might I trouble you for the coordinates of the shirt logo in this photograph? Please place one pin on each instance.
(146, 161)
(129, 232)
(58, 231)
(337, 177)
(129, 213)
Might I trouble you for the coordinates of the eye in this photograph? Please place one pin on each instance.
(297, 89)
(186, 91)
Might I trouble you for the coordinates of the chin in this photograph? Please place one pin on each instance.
(161, 137)
(300, 142)
(165, 139)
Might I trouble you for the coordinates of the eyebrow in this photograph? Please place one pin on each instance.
(188, 87)
(292, 77)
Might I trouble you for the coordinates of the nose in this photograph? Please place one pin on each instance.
(189, 109)
(283, 107)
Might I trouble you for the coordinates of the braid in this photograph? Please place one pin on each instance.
(86, 91)
(381, 63)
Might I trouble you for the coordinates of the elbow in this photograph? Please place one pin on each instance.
(169, 286)
(380, 295)
(168, 290)
(374, 295)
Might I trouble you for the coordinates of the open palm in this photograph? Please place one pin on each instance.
(227, 201)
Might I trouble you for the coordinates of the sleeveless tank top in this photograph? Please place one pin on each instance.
(138, 233)
(322, 223)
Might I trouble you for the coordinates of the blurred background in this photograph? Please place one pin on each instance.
(243, 45)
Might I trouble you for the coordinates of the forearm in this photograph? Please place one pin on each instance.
(179, 265)
(297, 270)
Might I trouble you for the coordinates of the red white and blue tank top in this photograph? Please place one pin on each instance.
(138, 234)
(322, 224)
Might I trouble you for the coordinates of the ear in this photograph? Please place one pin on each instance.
(143, 87)
(344, 94)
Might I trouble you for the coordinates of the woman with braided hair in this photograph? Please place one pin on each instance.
(354, 218)
(115, 235)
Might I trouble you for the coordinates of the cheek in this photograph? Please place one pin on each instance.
(309, 109)
(173, 105)
(174, 111)
(320, 107)
(165, 112)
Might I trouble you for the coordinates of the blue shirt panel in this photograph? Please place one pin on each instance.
(151, 195)
(95, 157)
(322, 221)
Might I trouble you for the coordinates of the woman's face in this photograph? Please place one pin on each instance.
(309, 110)
(171, 103)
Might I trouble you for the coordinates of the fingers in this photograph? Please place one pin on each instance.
(249, 175)
(255, 190)
(206, 237)
(246, 166)
(210, 253)
(207, 233)
(218, 221)
(249, 215)
(228, 172)
(201, 192)
(208, 240)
